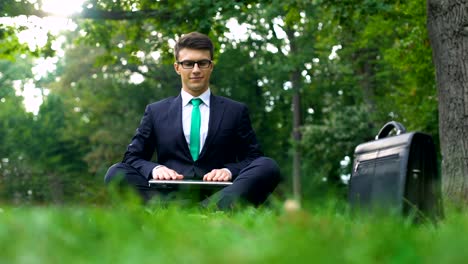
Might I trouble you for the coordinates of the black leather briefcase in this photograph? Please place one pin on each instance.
(397, 173)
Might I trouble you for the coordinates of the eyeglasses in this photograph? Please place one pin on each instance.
(188, 64)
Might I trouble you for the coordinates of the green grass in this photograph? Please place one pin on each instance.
(130, 233)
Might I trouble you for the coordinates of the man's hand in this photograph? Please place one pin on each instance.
(164, 173)
(218, 175)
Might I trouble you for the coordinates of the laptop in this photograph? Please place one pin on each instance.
(188, 183)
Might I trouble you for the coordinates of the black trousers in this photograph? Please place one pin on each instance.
(253, 184)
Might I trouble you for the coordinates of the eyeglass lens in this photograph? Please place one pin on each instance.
(190, 64)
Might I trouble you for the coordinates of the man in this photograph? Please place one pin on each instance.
(209, 138)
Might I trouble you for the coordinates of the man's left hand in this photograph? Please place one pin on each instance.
(218, 175)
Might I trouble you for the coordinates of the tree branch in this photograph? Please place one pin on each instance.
(101, 14)
(121, 15)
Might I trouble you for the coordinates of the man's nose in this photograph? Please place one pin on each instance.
(195, 68)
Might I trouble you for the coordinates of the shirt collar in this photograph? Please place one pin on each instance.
(186, 97)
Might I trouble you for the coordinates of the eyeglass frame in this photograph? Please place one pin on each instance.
(195, 62)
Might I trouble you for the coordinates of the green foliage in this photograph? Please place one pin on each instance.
(334, 131)
(38, 161)
(104, 110)
(414, 91)
(390, 49)
(15, 133)
(11, 8)
(9, 43)
(381, 70)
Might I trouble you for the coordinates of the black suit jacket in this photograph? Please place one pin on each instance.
(231, 142)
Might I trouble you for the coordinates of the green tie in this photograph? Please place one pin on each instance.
(195, 128)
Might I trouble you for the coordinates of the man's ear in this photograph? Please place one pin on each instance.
(176, 68)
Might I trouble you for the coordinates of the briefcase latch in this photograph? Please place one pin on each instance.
(416, 173)
(356, 167)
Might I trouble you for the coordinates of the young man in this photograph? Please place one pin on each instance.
(197, 135)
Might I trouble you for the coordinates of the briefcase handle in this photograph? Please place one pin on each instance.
(389, 127)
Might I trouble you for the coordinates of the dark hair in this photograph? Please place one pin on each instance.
(194, 40)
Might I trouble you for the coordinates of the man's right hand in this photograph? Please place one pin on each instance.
(164, 173)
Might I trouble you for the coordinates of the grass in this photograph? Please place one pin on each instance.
(131, 233)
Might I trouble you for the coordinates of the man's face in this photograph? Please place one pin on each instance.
(195, 81)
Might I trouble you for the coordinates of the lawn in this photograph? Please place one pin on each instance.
(132, 233)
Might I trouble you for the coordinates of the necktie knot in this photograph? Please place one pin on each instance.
(196, 101)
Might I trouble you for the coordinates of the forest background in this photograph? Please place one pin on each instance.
(319, 78)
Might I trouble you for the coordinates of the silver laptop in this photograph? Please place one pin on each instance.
(168, 183)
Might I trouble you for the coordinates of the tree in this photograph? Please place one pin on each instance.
(38, 162)
(15, 132)
(104, 106)
(447, 23)
(282, 68)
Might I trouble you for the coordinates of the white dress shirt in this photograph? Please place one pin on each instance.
(187, 115)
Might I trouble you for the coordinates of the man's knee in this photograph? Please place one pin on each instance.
(269, 168)
(256, 181)
(114, 171)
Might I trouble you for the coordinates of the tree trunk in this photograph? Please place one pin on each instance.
(297, 140)
(447, 22)
(364, 69)
(295, 79)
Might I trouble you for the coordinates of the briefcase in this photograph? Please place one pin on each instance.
(396, 173)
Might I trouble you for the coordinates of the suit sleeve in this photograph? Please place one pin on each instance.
(248, 147)
(142, 147)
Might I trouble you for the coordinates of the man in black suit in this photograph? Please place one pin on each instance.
(197, 135)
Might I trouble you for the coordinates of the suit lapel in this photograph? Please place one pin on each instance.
(216, 115)
(175, 114)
